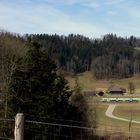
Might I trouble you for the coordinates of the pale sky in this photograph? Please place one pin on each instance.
(91, 18)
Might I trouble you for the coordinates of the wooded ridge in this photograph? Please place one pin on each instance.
(107, 57)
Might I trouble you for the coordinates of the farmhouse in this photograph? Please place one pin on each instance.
(114, 90)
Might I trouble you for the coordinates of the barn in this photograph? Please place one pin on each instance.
(114, 90)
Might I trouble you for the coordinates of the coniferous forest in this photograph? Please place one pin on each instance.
(107, 57)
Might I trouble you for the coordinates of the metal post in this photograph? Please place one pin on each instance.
(19, 126)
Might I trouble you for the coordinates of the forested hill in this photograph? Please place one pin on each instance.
(108, 57)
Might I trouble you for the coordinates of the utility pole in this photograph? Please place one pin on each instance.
(19, 126)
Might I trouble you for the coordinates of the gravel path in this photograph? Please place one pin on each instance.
(109, 113)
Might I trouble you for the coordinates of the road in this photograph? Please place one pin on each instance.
(109, 113)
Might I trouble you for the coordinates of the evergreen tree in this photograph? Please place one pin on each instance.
(37, 90)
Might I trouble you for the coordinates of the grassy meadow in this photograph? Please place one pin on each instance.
(105, 124)
(128, 111)
(88, 82)
(108, 126)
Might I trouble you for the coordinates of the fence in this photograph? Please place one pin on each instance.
(7, 129)
(59, 129)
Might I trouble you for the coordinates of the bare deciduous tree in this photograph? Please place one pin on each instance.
(131, 87)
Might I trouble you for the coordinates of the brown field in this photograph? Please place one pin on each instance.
(89, 83)
(108, 126)
(128, 111)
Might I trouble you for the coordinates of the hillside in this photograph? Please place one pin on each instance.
(108, 57)
(88, 82)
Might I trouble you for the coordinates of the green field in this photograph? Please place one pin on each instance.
(128, 111)
(89, 83)
(102, 119)
(104, 124)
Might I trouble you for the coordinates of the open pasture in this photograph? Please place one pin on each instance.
(107, 125)
(128, 111)
(87, 82)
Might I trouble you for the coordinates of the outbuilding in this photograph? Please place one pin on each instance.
(114, 90)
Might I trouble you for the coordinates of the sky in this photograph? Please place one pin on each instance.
(91, 18)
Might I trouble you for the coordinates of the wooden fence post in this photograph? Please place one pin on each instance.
(19, 126)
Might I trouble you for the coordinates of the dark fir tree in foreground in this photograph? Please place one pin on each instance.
(41, 94)
(36, 81)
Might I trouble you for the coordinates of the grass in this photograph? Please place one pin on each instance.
(89, 83)
(103, 120)
(128, 110)
(109, 125)
(137, 49)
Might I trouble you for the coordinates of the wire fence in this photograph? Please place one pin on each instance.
(60, 129)
(55, 131)
(85, 133)
(7, 129)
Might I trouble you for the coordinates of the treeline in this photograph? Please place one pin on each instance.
(108, 57)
